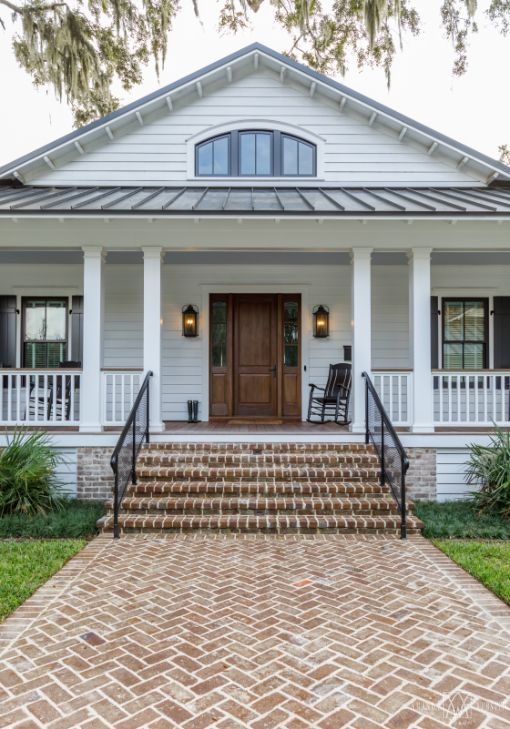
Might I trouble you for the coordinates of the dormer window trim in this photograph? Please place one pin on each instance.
(269, 159)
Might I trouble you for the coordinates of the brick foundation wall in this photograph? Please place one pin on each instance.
(94, 474)
(421, 476)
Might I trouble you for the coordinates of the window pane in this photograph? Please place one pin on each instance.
(473, 357)
(454, 320)
(474, 321)
(56, 320)
(247, 154)
(305, 159)
(219, 334)
(290, 156)
(220, 160)
(452, 357)
(263, 166)
(205, 159)
(35, 320)
(290, 334)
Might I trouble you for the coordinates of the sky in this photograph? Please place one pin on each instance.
(474, 109)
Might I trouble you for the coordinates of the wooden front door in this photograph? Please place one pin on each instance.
(255, 355)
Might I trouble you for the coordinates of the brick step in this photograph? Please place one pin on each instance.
(279, 524)
(257, 488)
(259, 505)
(259, 448)
(265, 473)
(326, 459)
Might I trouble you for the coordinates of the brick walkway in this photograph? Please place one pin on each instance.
(259, 632)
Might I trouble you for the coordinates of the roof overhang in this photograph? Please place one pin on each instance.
(235, 66)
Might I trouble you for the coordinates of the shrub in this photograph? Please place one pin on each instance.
(489, 468)
(27, 475)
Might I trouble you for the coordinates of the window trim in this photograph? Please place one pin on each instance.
(464, 299)
(24, 300)
(234, 148)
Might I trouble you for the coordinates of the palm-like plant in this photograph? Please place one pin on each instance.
(489, 468)
(27, 474)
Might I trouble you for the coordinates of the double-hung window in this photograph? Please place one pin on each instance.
(44, 332)
(465, 334)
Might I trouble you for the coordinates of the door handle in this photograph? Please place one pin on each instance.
(273, 370)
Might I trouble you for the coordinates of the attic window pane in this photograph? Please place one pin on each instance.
(247, 166)
(305, 166)
(205, 159)
(255, 153)
(263, 158)
(290, 156)
(220, 156)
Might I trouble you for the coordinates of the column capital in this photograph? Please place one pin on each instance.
(421, 254)
(92, 252)
(361, 254)
(153, 252)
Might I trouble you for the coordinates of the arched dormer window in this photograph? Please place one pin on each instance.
(255, 153)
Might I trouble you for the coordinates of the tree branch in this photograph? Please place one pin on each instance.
(20, 10)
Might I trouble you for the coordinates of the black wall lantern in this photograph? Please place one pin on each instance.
(189, 321)
(321, 321)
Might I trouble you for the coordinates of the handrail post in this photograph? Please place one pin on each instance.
(367, 430)
(147, 423)
(133, 454)
(116, 530)
(403, 519)
(382, 475)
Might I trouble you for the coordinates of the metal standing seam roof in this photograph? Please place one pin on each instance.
(252, 201)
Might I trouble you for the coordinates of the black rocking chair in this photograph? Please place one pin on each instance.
(335, 397)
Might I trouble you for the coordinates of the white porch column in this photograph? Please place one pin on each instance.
(90, 385)
(419, 325)
(152, 331)
(362, 331)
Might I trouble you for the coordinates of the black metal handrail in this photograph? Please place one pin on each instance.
(393, 460)
(123, 460)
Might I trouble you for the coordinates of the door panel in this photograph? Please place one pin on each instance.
(255, 354)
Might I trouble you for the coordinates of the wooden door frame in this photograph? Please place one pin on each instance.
(280, 299)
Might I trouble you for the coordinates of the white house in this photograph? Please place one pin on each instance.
(254, 191)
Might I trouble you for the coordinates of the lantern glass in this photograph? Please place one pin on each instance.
(190, 321)
(321, 321)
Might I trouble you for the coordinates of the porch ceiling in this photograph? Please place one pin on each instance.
(253, 201)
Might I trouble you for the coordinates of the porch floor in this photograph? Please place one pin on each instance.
(291, 427)
(257, 632)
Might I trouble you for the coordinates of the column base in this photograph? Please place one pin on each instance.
(91, 428)
(158, 427)
(422, 428)
(358, 428)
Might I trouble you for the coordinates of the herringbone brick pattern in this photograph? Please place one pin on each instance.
(259, 487)
(257, 631)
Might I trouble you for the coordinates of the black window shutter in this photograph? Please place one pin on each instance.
(7, 331)
(501, 332)
(434, 331)
(77, 328)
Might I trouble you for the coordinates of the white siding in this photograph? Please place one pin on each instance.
(352, 152)
(450, 472)
(390, 317)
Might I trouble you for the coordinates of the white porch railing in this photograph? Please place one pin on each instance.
(119, 390)
(471, 398)
(395, 390)
(39, 397)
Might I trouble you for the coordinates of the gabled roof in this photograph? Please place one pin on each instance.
(257, 54)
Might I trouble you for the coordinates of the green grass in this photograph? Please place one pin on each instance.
(459, 519)
(489, 562)
(74, 519)
(25, 565)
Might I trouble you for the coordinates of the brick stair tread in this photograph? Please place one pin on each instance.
(276, 523)
(325, 459)
(259, 448)
(192, 505)
(229, 473)
(233, 488)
